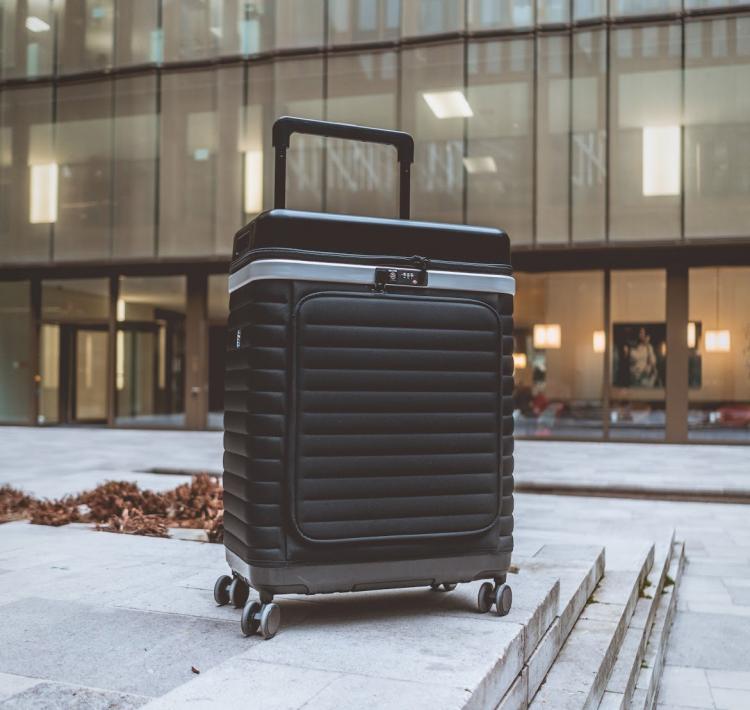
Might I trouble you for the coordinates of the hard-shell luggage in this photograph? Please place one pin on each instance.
(368, 415)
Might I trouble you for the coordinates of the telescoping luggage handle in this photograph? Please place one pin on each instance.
(286, 125)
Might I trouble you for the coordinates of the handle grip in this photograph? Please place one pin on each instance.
(285, 126)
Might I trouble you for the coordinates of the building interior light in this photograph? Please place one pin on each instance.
(120, 360)
(120, 309)
(253, 181)
(448, 104)
(43, 202)
(718, 341)
(519, 361)
(691, 334)
(36, 24)
(661, 161)
(547, 336)
(480, 165)
(599, 341)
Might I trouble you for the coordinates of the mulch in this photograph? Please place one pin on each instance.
(122, 507)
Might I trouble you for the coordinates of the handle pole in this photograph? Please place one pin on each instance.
(285, 126)
(279, 189)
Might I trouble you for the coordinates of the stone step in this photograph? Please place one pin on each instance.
(622, 680)
(647, 684)
(579, 570)
(578, 677)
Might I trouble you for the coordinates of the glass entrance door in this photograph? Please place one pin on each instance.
(90, 374)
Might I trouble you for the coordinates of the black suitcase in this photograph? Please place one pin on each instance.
(368, 401)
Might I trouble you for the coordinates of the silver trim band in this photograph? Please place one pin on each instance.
(294, 270)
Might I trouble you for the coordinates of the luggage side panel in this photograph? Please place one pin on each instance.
(255, 409)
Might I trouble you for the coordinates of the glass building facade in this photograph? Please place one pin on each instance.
(609, 138)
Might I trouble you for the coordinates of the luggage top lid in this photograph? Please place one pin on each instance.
(302, 235)
(291, 234)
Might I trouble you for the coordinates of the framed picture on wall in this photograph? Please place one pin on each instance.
(639, 355)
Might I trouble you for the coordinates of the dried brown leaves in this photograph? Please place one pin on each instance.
(121, 506)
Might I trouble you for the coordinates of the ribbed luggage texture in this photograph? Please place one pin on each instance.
(397, 416)
(259, 421)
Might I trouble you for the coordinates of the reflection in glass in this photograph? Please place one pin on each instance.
(83, 145)
(16, 371)
(29, 174)
(139, 39)
(639, 354)
(431, 17)
(553, 146)
(90, 375)
(134, 179)
(718, 374)
(218, 311)
(717, 128)
(437, 173)
(298, 91)
(352, 21)
(500, 136)
(362, 178)
(586, 9)
(588, 160)
(200, 176)
(75, 300)
(558, 368)
(490, 14)
(150, 351)
(85, 35)
(644, 7)
(645, 151)
(27, 38)
(49, 374)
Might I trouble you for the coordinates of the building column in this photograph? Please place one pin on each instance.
(196, 352)
(677, 354)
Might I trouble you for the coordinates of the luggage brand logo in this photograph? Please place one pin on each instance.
(239, 339)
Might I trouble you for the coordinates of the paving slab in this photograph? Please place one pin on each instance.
(133, 616)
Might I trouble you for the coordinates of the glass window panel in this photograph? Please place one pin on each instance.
(29, 174)
(500, 136)
(589, 147)
(352, 21)
(718, 373)
(298, 91)
(490, 14)
(230, 160)
(639, 354)
(552, 12)
(431, 17)
(717, 130)
(299, 23)
(135, 147)
(645, 135)
(188, 163)
(138, 38)
(553, 143)
(587, 9)
(49, 374)
(27, 39)
(644, 7)
(85, 35)
(150, 351)
(257, 182)
(433, 109)
(707, 4)
(192, 29)
(75, 300)
(218, 310)
(558, 381)
(16, 370)
(83, 145)
(362, 178)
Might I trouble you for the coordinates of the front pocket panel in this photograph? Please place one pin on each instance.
(397, 417)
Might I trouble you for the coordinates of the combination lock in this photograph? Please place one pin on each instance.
(400, 277)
